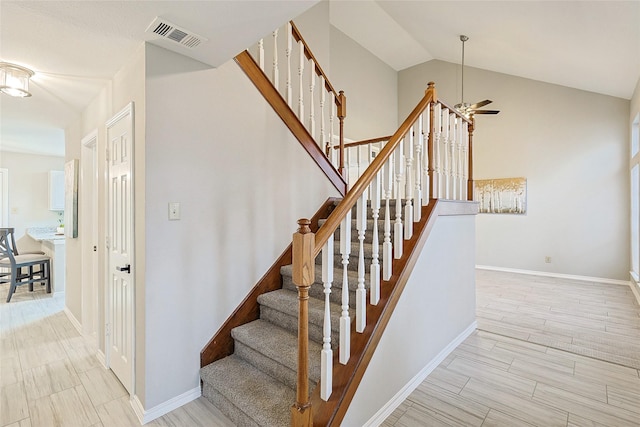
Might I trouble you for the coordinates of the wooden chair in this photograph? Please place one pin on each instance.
(15, 262)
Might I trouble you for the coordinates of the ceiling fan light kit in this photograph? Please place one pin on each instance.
(466, 109)
(14, 80)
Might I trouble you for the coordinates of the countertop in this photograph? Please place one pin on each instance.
(44, 233)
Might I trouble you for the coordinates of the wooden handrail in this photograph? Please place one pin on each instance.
(366, 142)
(455, 111)
(309, 54)
(376, 165)
(297, 128)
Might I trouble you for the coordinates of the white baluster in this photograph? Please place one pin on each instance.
(452, 156)
(300, 83)
(460, 169)
(397, 226)
(323, 134)
(345, 320)
(288, 54)
(426, 128)
(261, 54)
(417, 192)
(374, 271)
(408, 192)
(445, 152)
(437, 169)
(276, 74)
(387, 256)
(361, 292)
(326, 358)
(312, 87)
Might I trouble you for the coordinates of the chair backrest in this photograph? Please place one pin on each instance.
(7, 244)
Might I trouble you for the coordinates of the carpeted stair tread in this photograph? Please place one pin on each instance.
(286, 302)
(287, 272)
(280, 346)
(263, 399)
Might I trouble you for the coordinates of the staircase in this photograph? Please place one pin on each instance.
(295, 350)
(255, 386)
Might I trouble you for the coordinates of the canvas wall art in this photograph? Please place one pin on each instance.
(504, 195)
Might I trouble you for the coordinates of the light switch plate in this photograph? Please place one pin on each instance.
(174, 210)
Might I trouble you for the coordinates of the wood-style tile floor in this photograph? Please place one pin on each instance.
(504, 379)
(49, 376)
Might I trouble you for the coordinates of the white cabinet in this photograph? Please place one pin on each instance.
(56, 190)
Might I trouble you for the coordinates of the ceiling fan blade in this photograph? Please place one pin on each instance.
(486, 111)
(480, 104)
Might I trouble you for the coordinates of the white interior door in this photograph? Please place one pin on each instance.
(120, 337)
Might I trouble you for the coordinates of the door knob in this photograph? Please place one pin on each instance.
(126, 268)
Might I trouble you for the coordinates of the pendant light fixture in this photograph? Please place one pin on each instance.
(14, 79)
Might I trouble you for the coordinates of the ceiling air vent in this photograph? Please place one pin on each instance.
(167, 30)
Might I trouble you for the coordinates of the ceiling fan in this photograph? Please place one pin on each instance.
(466, 109)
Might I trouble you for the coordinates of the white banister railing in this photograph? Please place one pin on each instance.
(428, 157)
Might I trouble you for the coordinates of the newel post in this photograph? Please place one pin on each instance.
(303, 276)
(431, 88)
(342, 113)
(470, 181)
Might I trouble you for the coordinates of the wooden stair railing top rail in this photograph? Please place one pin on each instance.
(289, 117)
(363, 142)
(350, 199)
(339, 97)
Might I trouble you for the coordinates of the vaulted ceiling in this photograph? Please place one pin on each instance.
(77, 46)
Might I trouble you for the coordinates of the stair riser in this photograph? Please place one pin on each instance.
(291, 323)
(353, 262)
(282, 373)
(317, 291)
(225, 406)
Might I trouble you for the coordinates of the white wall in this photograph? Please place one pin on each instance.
(437, 305)
(633, 113)
(29, 193)
(371, 87)
(571, 145)
(242, 181)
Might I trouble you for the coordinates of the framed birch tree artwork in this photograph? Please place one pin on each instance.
(504, 195)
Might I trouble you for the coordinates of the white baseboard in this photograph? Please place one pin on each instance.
(384, 412)
(635, 288)
(101, 358)
(76, 324)
(558, 275)
(157, 411)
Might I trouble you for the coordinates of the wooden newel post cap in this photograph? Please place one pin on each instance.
(303, 226)
(304, 242)
(431, 87)
(342, 108)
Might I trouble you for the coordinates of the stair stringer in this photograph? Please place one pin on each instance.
(347, 378)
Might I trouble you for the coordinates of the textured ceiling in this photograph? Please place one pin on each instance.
(77, 46)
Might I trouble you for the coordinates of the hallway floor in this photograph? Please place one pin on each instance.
(505, 379)
(50, 376)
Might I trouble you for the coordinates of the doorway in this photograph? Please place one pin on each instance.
(120, 266)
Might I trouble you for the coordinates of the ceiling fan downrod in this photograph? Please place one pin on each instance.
(463, 39)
